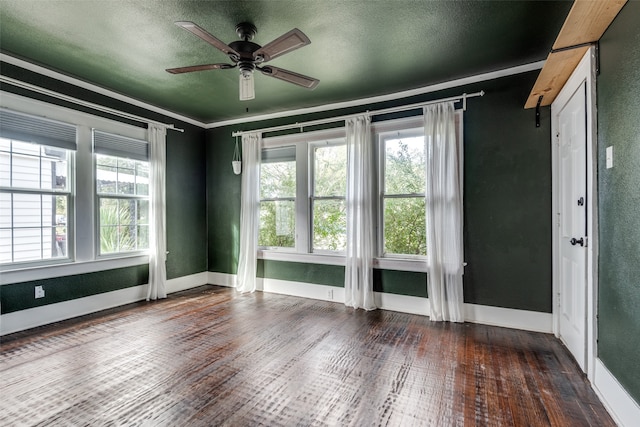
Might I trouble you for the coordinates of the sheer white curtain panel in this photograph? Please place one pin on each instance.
(157, 137)
(443, 214)
(358, 284)
(249, 213)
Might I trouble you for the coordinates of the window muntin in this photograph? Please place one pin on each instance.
(278, 187)
(122, 190)
(402, 181)
(35, 199)
(328, 191)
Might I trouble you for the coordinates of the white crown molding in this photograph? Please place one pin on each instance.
(390, 97)
(97, 89)
(321, 108)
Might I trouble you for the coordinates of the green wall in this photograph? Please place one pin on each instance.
(186, 205)
(507, 203)
(619, 199)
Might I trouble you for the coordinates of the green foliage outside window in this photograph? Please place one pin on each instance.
(404, 215)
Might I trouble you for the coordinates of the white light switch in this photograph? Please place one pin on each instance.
(610, 157)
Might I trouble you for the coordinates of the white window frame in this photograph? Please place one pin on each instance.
(381, 137)
(312, 145)
(84, 258)
(68, 192)
(120, 153)
(275, 199)
(303, 247)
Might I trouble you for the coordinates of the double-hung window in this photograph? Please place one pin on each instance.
(328, 191)
(278, 198)
(36, 188)
(302, 194)
(402, 185)
(122, 193)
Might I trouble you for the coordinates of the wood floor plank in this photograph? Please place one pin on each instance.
(209, 356)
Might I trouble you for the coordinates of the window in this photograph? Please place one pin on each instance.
(278, 198)
(303, 195)
(36, 196)
(402, 184)
(329, 188)
(122, 191)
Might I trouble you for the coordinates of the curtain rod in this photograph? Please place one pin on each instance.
(80, 102)
(301, 125)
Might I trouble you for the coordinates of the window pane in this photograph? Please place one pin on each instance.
(27, 244)
(126, 180)
(123, 225)
(121, 176)
(330, 170)
(142, 212)
(25, 170)
(5, 211)
(329, 225)
(5, 163)
(5, 245)
(404, 166)
(106, 179)
(54, 167)
(142, 178)
(61, 203)
(404, 226)
(143, 237)
(278, 180)
(27, 210)
(26, 148)
(277, 224)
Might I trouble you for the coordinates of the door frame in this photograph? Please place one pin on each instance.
(585, 72)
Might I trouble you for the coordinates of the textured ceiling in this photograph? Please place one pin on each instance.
(358, 48)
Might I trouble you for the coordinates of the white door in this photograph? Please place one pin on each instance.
(573, 224)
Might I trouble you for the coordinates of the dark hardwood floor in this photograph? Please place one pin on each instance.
(208, 357)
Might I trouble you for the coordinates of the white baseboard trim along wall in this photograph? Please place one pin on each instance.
(38, 316)
(495, 316)
(624, 410)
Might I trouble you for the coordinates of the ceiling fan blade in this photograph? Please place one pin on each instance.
(287, 42)
(204, 35)
(290, 76)
(205, 67)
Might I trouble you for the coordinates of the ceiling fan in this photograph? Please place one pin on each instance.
(249, 56)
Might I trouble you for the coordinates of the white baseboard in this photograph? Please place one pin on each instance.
(222, 279)
(488, 315)
(622, 407)
(509, 318)
(38, 316)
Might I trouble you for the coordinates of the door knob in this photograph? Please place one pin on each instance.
(575, 241)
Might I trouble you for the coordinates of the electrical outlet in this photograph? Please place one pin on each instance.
(39, 292)
(330, 294)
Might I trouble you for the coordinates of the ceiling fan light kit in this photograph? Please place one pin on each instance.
(248, 56)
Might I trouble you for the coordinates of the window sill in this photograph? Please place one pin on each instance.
(401, 264)
(70, 268)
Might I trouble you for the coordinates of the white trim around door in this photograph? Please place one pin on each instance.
(583, 74)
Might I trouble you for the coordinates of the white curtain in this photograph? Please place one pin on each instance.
(157, 136)
(358, 283)
(443, 214)
(249, 213)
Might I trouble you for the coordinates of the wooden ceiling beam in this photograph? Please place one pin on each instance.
(586, 22)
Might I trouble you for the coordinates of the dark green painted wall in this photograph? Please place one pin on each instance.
(19, 296)
(186, 205)
(619, 199)
(507, 202)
